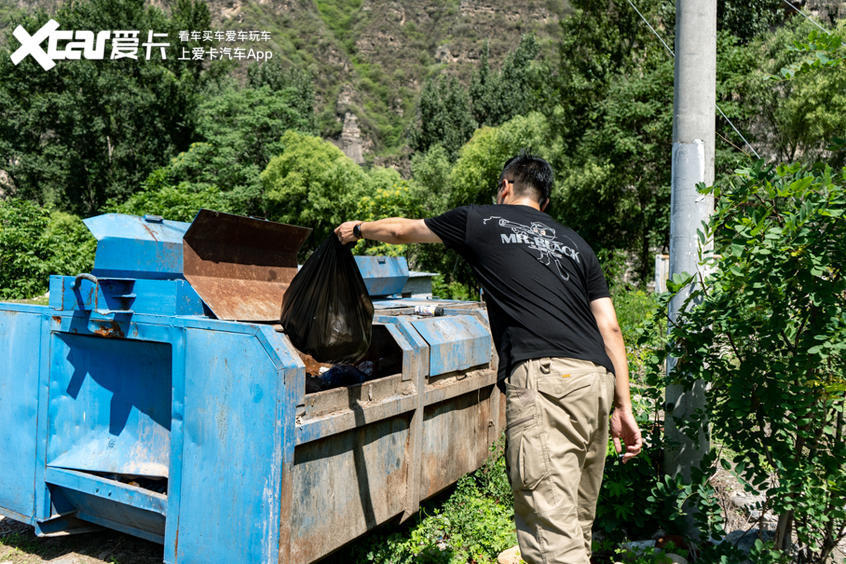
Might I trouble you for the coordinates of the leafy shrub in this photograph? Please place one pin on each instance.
(35, 243)
(178, 203)
(451, 290)
(636, 499)
(767, 335)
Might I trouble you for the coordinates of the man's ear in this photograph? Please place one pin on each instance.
(544, 204)
(507, 191)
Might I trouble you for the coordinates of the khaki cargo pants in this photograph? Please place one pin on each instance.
(556, 438)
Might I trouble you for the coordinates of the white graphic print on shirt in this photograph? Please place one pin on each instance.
(540, 238)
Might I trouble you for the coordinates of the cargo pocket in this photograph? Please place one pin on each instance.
(526, 451)
(520, 409)
(533, 462)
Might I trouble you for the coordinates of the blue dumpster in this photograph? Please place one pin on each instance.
(158, 396)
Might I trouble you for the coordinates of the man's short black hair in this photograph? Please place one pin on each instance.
(532, 176)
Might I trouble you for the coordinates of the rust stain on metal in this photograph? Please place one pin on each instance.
(340, 527)
(150, 231)
(396, 485)
(286, 503)
(57, 318)
(110, 331)
(241, 266)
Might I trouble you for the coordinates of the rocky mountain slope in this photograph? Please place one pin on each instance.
(370, 58)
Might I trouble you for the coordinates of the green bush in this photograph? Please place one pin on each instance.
(178, 203)
(767, 334)
(311, 183)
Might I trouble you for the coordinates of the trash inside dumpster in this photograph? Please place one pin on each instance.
(159, 396)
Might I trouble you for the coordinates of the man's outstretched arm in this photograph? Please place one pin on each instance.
(395, 230)
(623, 424)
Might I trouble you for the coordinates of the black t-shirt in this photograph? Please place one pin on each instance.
(538, 276)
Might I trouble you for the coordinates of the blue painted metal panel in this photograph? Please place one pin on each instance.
(132, 246)
(455, 343)
(20, 338)
(159, 297)
(107, 489)
(232, 452)
(415, 360)
(112, 504)
(109, 407)
(383, 276)
(177, 435)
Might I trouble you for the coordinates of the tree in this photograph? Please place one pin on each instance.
(172, 202)
(497, 97)
(745, 20)
(313, 184)
(430, 177)
(474, 176)
(601, 41)
(242, 130)
(618, 193)
(86, 131)
(387, 195)
(787, 118)
(295, 84)
(472, 180)
(443, 116)
(613, 111)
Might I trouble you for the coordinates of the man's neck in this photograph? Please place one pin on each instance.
(523, 202)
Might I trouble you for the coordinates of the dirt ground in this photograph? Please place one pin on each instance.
(19, 545)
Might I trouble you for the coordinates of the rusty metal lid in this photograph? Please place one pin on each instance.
(241, 266)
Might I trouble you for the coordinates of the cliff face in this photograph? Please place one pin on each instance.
(370, 58)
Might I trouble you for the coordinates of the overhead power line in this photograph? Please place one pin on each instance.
(807, 17)
(652, 29)
(673, 55)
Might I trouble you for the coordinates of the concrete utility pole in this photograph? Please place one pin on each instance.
(694, 106)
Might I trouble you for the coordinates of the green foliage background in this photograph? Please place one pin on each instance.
(169, 138)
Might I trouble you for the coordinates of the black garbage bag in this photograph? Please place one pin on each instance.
(326, 311)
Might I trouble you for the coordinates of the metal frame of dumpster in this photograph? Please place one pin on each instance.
(125, 383)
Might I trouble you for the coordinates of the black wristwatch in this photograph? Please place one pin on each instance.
(357, 231)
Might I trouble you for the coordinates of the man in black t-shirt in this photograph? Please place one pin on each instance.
(562, 361)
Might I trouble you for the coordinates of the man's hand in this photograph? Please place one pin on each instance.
(344, 232)
(624, 426)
